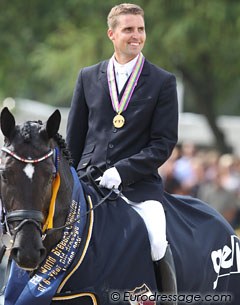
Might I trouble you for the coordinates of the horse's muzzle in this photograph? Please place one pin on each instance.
(28, 250)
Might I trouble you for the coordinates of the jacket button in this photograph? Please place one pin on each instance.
(108, 161)
(110, 145)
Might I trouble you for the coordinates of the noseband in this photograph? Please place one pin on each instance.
(25, 216)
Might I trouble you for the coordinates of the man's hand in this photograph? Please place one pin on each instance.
(110, 179)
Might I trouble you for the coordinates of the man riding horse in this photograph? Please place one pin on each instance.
(124, 117)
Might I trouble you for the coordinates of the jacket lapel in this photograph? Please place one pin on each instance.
(142, 79)
(103, 75)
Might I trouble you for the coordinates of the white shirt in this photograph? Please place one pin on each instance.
(122, 72)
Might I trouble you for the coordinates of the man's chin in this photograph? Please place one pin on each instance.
(134, 51)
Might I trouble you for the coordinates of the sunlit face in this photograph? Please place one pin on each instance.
(128, 37)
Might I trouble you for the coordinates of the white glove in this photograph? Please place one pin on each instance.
(110, 179)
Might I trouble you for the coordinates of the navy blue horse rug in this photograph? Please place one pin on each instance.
(205, 247)
(118, 260)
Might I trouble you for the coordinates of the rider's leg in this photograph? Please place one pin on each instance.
(153, 215)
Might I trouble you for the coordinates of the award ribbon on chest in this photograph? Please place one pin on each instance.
(119, 107)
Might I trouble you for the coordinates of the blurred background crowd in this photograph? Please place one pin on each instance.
(207, 175)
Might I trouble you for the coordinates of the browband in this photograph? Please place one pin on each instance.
(14, 155)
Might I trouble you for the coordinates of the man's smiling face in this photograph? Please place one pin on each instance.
(128, 37)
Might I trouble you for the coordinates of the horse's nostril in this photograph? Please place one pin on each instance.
(14, 252)
(26, 259)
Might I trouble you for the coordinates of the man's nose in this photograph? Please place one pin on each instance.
(135, 34)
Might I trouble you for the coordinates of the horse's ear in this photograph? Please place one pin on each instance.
(7, 123)
(53, 123)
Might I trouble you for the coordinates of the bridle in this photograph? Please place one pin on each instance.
(27, 160)
(36, 217)
(25, 216)
(22, 216)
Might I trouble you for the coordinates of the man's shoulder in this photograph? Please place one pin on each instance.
(100, 66)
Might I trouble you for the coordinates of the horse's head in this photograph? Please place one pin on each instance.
(28, 171)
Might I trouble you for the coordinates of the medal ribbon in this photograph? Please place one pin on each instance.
(121, 106)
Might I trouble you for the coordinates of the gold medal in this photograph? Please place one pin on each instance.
(118, 121)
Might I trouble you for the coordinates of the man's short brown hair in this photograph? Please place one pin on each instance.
(123, 9)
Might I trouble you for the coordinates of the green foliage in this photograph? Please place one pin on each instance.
(58, 60)
(45, 43)
(200, 40)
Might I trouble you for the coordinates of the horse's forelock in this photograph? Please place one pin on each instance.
(29, 130)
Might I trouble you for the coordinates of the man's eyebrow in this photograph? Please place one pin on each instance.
(131, 27)
(127, 27)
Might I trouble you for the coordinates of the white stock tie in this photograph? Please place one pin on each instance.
(122, 77)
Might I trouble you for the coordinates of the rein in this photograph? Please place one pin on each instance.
(108, 196)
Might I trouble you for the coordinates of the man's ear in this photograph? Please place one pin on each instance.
(110, 34)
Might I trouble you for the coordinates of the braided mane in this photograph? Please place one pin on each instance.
(63, 147)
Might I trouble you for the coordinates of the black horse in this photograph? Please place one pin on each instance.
(70, 245)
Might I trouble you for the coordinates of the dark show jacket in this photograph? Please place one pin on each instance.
(142, 145)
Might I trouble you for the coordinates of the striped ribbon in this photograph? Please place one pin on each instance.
(121, 106)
